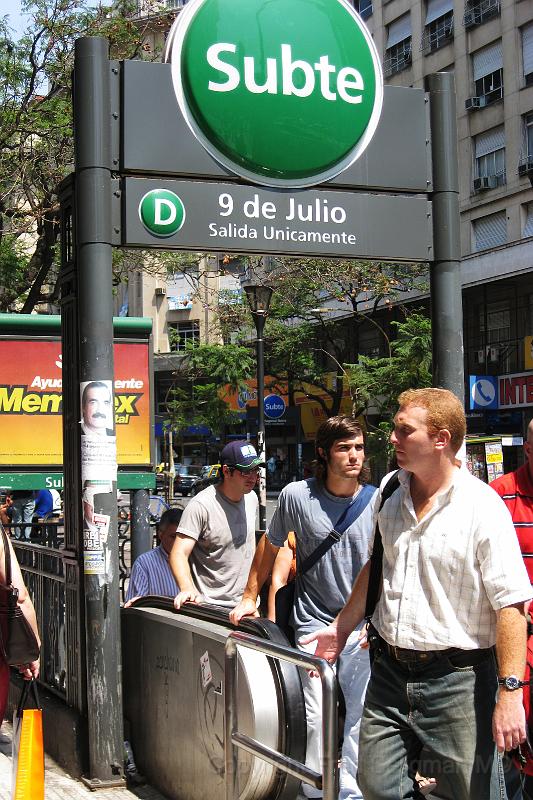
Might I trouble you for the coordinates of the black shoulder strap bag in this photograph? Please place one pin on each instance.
(18, 644)
(376, 559)
(284, 600)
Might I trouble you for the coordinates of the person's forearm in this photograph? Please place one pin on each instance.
(354, 611)
(179, 565)
(262, 564)
(511, 638)
(29, 612)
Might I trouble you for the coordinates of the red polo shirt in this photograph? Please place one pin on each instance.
(516, 490)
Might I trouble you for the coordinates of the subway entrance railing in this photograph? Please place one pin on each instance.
(234, 739)
(212, 711)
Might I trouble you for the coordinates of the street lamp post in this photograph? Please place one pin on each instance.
(259, 301)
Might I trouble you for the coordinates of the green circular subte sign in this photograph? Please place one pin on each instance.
(281, 92)
(162, 212)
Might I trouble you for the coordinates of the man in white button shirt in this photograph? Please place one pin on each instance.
(454, 586)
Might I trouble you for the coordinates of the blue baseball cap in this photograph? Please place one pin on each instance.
(242, 455)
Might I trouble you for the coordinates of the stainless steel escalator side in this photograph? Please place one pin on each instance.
(174, 701)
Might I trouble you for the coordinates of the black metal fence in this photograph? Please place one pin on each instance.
(52, 575)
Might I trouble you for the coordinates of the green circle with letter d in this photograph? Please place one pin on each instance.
(281, 92)
(162, 212)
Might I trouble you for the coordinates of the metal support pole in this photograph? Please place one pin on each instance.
(446, 298)
(92, 143)
(141, 532)
(259, 319)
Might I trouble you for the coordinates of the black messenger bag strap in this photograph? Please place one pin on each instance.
(376, 559)
(348, 516)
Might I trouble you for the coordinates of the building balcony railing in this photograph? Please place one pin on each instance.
(479, 11)
(525, 165)
(437, 34)
(397, 61)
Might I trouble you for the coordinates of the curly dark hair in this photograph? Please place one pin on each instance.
(329, 432)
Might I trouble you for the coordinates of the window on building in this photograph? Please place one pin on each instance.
(525, 164)
(498, 317)
(527, 129)
(495, 323)
(438, 29)
(487, 65)
(369, 341)
(364, 8)
(528, 221)
(479, 11)
(489, 153)
(490, 231)
(527, 53)
(181, 333)
(398, 52)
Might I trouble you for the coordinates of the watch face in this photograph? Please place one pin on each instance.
(512, 682)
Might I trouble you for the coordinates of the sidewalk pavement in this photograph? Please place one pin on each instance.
(59, 785)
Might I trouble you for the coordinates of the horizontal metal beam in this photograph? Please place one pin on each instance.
(277, 759)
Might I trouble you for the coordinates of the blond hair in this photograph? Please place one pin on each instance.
(444, 412)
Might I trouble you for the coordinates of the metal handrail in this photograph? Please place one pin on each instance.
(328, 780)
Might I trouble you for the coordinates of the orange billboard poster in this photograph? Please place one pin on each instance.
(31, 403)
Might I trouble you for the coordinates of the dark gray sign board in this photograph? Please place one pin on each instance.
(231, 217)
(157, 140)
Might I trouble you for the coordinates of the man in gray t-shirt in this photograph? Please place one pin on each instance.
(215, 544)
(311, 509)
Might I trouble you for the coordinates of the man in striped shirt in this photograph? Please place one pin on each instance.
(516, 490)
(151, 573)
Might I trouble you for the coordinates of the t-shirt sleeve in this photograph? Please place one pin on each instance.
(281, 522)
(138, 585)
(193, 520)
(502, 567)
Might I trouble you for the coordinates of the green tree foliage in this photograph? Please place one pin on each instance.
(36, 144)
(376, 382)
(196, 398)
(317, 309)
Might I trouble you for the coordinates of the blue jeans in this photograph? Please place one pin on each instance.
(353, 671)
(22, 510)
(435, 717)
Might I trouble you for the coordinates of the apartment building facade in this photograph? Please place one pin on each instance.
(488, 45)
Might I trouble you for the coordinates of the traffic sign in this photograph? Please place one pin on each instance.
(161, 212)
(274, 406)
(228, 217)
(284, 93)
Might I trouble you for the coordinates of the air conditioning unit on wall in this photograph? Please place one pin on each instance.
(160, 291)
(484, 183)
(472, 103)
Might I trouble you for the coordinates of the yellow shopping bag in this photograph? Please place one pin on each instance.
(28, 750)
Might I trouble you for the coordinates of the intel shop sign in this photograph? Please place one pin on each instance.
(285, 93)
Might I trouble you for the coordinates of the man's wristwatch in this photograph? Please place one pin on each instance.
(512, 683)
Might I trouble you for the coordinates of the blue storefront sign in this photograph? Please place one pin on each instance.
(483, 392)
(274, 406)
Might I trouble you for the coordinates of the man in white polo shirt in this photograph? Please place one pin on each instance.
(453, 588)
(215, 544)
